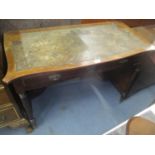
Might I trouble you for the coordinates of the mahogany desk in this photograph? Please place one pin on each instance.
(37, 58)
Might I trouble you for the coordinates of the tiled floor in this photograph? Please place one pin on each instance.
(87, 106)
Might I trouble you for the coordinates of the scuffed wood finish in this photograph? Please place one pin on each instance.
(65, 48)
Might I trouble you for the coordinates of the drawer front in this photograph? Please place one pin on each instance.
(4, 99)
(8, 115)
(45, 79)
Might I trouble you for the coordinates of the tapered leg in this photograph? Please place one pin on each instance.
(28, 108)
(131, 82)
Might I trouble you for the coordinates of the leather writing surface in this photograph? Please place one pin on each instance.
(73, 46)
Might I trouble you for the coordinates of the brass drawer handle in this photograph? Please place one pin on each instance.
(54, 77)
(1, 87)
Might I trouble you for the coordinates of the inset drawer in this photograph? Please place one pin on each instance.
(4, 99)
(8, 115)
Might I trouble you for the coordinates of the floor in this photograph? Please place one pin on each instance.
(121, 129)
(86, 106)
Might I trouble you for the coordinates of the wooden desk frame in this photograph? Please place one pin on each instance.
(22, 81)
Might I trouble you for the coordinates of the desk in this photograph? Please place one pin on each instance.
(39, 57)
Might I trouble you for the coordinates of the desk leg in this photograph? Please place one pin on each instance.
(123, 79)
(28, 108)
(130, 83)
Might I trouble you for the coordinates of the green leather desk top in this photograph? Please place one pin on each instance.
(70, 46)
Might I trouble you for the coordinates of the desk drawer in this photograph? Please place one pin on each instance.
(45, 79)
(8, 115)
(4, 99)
